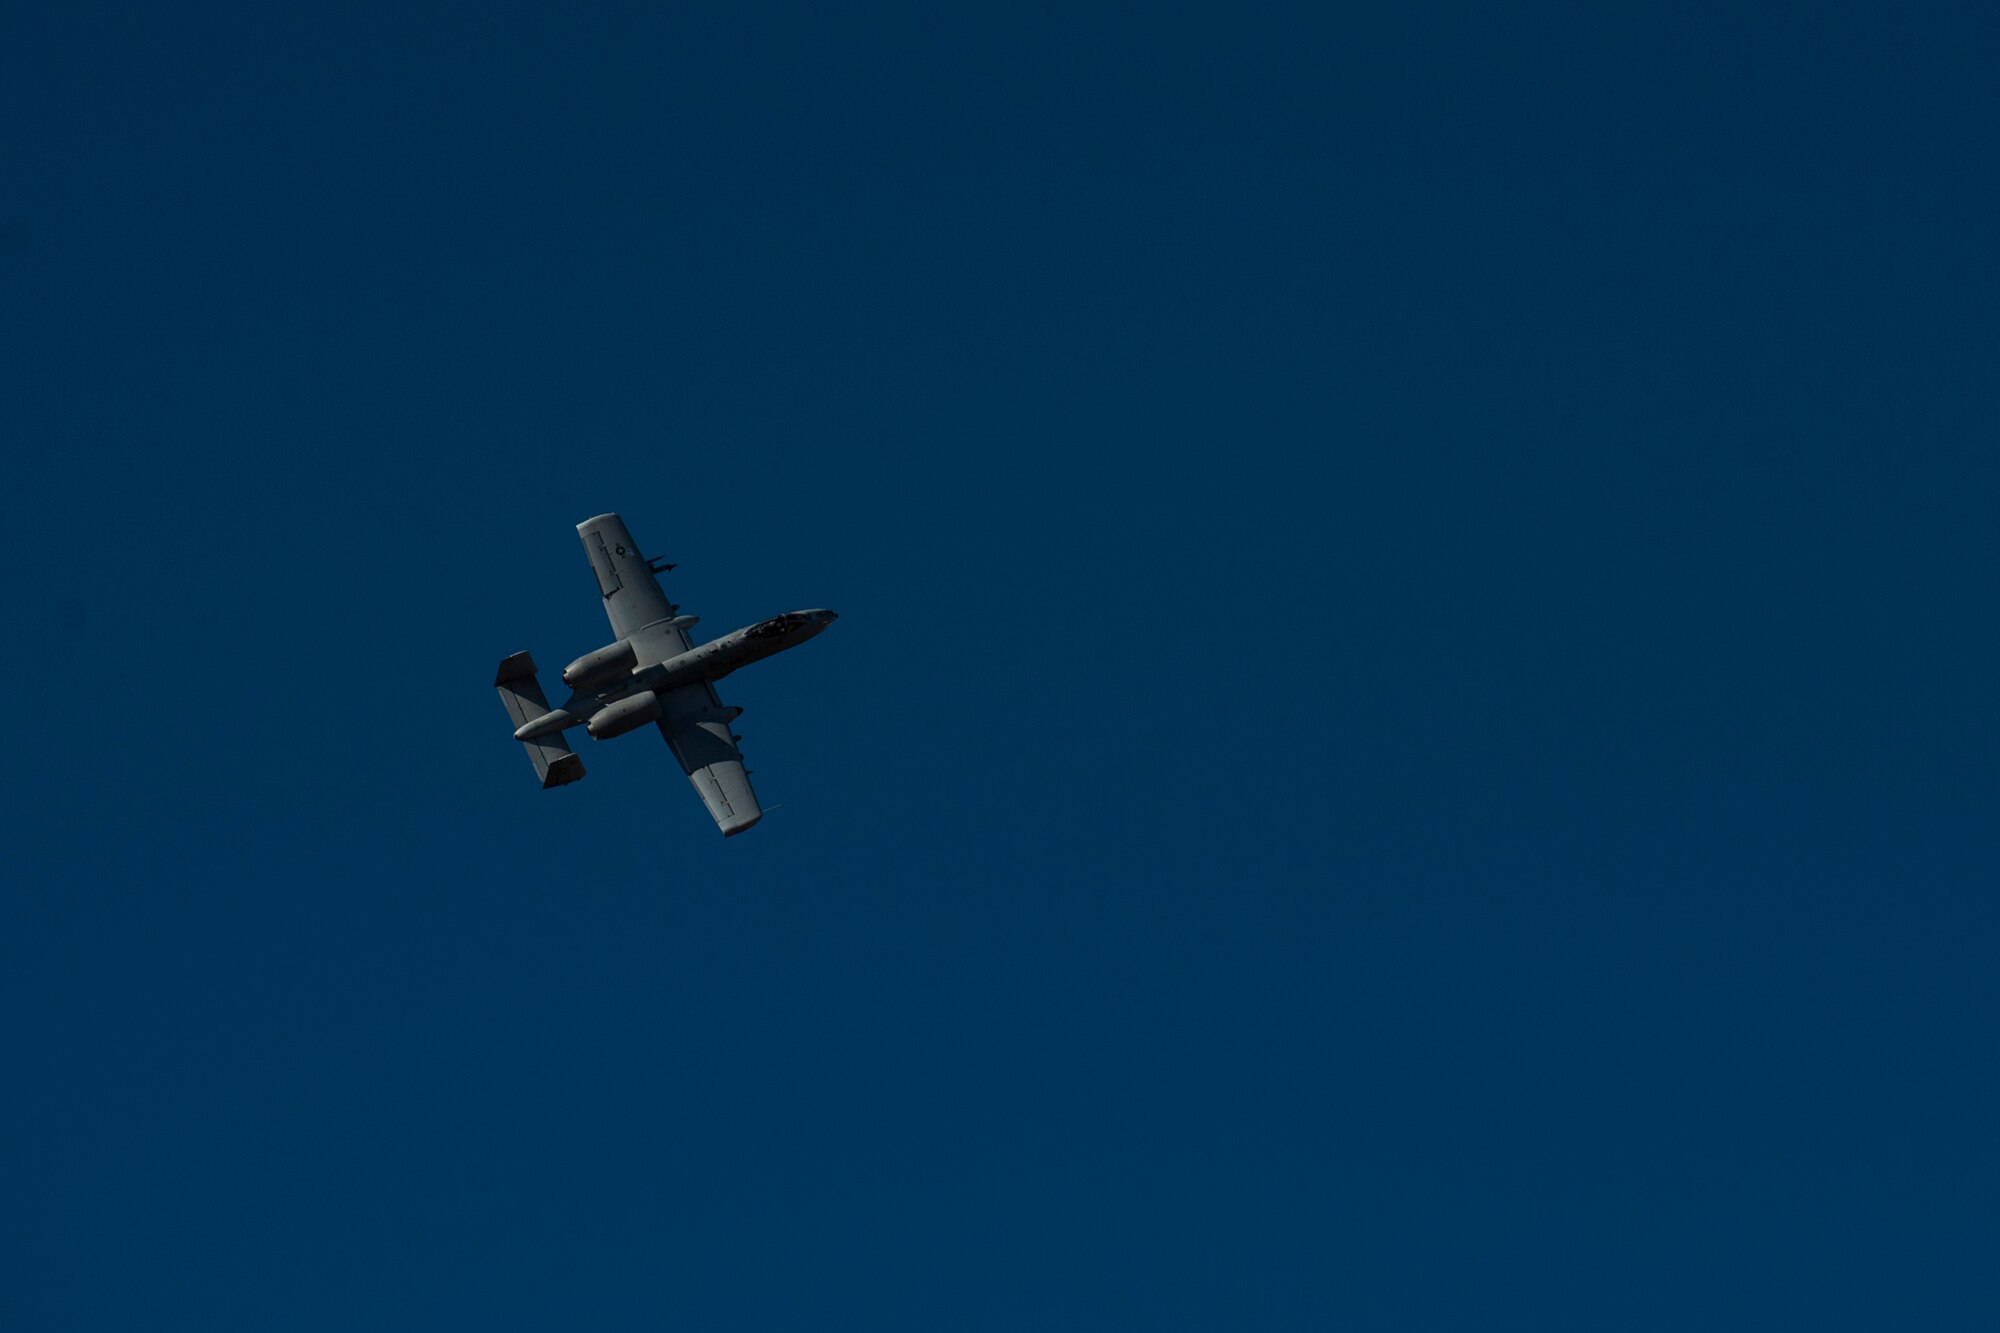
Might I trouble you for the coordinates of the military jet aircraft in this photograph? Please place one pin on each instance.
(652, 673)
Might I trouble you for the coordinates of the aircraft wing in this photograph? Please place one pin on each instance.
(632, 594)
(696, 724)
(697, 729)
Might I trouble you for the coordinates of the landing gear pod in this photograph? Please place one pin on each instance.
(623, 716)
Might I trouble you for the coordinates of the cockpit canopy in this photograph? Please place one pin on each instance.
(778, 626)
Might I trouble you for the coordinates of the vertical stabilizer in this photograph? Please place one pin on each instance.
(522, 694)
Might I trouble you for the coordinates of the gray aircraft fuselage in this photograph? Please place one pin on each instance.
(652, 672)
(705, 662)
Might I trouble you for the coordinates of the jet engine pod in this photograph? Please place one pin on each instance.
(601, 667)
(624, 716)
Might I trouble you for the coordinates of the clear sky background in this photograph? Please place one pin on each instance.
(1411, 742)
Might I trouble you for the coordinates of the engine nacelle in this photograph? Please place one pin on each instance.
(623, 716)
(601, 667)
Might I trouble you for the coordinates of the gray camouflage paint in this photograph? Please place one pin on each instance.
(653, 671)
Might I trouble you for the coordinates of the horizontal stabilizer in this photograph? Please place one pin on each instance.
(522, 694)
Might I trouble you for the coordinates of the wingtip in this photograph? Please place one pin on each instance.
(736, 826)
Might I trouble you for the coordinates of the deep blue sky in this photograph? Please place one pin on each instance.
(1411, 743)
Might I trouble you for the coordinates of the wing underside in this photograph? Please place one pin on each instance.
(697, 730)
(696, 724)
(625, 579)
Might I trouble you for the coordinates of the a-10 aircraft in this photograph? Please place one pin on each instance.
(652, 673)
